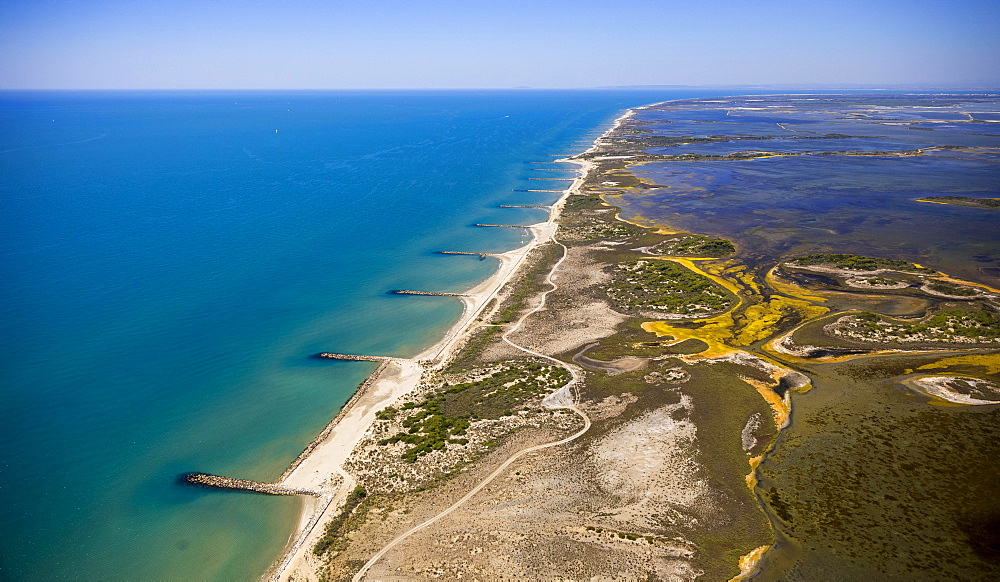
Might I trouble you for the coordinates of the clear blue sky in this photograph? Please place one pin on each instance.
(187, 44)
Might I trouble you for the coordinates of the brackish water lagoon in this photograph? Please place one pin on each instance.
(886, 469)
(797, 174)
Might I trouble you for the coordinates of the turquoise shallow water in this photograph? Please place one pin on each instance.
(170, 259)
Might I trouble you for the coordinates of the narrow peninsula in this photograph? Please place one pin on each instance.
(695, 370)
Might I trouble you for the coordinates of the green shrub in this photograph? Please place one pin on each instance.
(667, 286)
(444, 418)
(339, 525)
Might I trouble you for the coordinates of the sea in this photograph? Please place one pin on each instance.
(170, 260)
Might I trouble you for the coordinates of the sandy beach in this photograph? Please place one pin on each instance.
(323, 468)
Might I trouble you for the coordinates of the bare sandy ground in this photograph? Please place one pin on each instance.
(590, 512)
(945, 388)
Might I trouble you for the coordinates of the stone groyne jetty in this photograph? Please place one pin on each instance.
(353, 357)
(552, 191)
(504, 225)
(555, 179)
(207, 480)
(435, 293)
(523, 206)
(480, 255)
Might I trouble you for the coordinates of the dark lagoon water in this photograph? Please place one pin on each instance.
(816, 204)
(822, 200)
(171, 259)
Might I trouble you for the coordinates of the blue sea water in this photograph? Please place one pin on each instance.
(171, 259)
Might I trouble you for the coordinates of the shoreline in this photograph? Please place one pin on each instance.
(320, 466)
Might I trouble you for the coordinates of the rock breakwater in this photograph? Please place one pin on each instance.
(207, 480)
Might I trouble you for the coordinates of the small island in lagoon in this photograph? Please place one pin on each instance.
(963, 201)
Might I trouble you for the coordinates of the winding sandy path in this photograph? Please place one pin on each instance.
(566, 397)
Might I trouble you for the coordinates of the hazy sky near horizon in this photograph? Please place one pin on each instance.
(226, 44)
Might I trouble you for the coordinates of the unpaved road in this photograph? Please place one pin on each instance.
(565, 397)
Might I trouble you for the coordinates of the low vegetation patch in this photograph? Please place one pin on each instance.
(949, 289)
(339, 526)
(444, 417)
(964, 201)
(581, 202)
(591, 230)
(528, 284)
(696, 246)
(857, 263)
(666, 286)
(948, 325)
(620, 180)
(631, 536)
(880, 281)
